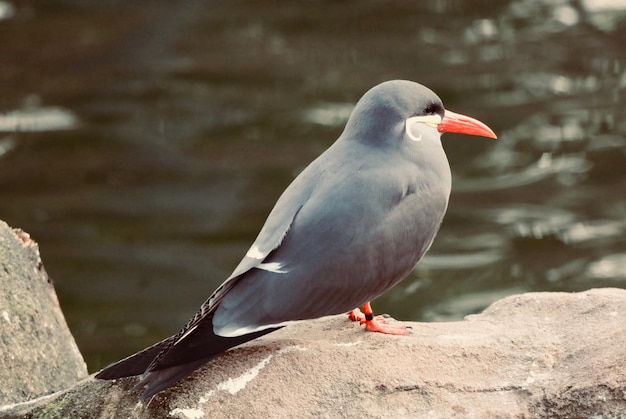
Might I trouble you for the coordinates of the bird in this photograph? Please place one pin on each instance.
(350, 226)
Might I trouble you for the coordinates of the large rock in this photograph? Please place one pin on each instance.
(38, 354)
(527, 356)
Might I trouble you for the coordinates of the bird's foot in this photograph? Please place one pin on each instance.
(378, 324)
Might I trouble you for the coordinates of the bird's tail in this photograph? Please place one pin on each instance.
(172, 359)
(135, 364)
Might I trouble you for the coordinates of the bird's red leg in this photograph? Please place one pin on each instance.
(375, 324)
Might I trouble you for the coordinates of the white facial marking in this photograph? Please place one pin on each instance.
(255, 253)
(412, 136)
(430, 120)
(275, 267)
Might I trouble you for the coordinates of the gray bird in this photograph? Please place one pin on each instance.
(353, 224)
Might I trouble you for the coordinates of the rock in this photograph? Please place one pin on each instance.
(38, 354)
(526, 356)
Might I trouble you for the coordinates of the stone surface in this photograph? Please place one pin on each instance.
(38, 354)
(527, 356)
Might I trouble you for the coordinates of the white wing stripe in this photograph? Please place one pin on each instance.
(275, 267)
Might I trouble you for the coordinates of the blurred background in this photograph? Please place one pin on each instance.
(143, 143)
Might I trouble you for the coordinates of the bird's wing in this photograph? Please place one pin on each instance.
(274, 230)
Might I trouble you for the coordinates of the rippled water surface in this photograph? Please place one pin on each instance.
(142, 144)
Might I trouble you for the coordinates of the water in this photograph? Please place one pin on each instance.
(142, 144)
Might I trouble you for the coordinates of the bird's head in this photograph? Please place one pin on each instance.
(401, 109)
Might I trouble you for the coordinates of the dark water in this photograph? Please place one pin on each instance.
(142, 144)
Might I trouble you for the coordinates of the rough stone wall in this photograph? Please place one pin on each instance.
(38, 354)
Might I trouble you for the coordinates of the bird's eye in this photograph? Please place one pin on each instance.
(433, 108)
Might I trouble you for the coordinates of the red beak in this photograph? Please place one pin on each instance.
(455, 122)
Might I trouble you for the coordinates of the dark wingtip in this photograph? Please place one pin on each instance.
(132, 365)
(153, 382)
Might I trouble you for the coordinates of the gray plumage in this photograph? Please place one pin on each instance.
(354, 223)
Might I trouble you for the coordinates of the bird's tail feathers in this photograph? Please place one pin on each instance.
(135, 364)
(168, 361)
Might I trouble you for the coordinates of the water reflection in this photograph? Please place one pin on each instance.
(565, 168)
(154, 146)
(611, 267)
(7, 10)
(6, 145)
(330, 114)
(34, 118)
